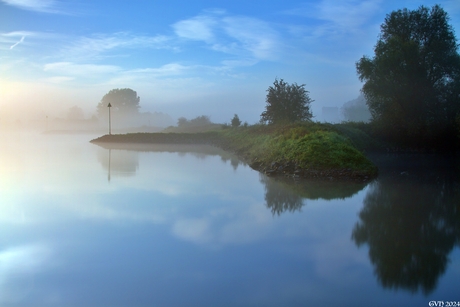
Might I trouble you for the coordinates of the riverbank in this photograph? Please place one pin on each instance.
(306, 150)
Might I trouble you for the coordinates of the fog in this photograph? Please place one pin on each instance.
(43, 106)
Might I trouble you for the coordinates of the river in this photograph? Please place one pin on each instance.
(156, 225)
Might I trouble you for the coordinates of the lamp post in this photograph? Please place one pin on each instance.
(110, 123)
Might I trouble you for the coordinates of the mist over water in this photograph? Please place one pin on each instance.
(84, 225)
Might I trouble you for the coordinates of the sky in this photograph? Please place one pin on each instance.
(186, 58)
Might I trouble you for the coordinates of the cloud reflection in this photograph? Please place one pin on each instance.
(18, 265)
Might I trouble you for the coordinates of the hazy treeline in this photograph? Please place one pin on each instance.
(198, 121)
(356, 110)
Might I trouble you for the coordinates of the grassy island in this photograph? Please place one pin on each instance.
(307, 150)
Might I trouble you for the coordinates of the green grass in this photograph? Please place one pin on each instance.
(310, 146)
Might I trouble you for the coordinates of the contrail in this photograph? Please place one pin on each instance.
(20, 41)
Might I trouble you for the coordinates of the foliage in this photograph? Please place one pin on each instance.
(236, 122)
(321, 149)
(182, 122)
(198, 121)
(198, 124)
(286, 103)
(123, 101)
(412, 84)
(309, 145)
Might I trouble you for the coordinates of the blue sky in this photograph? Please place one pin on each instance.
(185, 58)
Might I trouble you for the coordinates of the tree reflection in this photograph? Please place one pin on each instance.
(410, 220)
(281, 194)
(286, 194)
(279, 198)
(234, 161)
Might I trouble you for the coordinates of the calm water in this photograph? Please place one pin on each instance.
(83, 225)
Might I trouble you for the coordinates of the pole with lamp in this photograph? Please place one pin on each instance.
(110, 123)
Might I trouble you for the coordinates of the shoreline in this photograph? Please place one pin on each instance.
(281, 167)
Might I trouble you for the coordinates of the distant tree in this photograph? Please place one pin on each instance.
(356, 110)
(123, 101)
(75, 113)
(286, 103)
(202, 120)
(182, 122)
(198, 121)
(236, 122)
(412, 85)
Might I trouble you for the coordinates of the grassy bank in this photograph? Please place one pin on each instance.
(298, 150)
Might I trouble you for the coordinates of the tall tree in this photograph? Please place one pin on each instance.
(412, 85)
(236, 122)
(123, 101)
(286, 103)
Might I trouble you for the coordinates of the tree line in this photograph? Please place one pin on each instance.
(411, 85)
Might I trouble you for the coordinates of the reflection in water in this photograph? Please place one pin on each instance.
(286, 194)
(123, 158)
(278, 198)
(234, 162)
(18, 267)
(281, 193)
(410, 220)
(122, 163)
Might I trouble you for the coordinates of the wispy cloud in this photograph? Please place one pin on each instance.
(348, 14)
(17, 43)
(165, 70)
(196, 28)
(59, 79)
(73, 69)
(253, 35)
(100, 44)
(44, 6)
(176, 69)
(10, 40)
(18, 261)
(65, 72)
(325, 25)
(238, 35)
(337, 16)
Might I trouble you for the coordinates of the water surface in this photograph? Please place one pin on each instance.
(84, 225)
